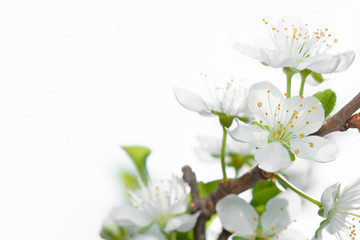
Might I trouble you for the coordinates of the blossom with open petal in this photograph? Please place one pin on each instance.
(342, 211)
(240, 218)
(163, 203)
(283, 129)
(295, 46)
(227, 98)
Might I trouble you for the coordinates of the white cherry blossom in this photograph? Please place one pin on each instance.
(163, 203)
(284, 128)
(296, 46)
(226, 97)
(240, 218)
(342, 211)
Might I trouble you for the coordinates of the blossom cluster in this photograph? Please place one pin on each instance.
(263, 126)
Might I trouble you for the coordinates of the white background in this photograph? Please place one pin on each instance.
(80, 78)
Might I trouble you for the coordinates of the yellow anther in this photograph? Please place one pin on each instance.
(301, 105)
(309, 111)
(317, 37)
(278, 122)
(272, 229)
(297, 151)
(326, 29)
(314, 107)
(273, 28)
(266, 114)
(292, 126)
(311, 144)
(329, 35)
(296, 112)
(325, 122)
(268, 91)
(307, 122)
(259, 104)
(301, 97)
(255, 218)
(285, 29)
(302, 135)
(285, 94)
(296, 117)
(336, 40)
(261, 121)
(282, 209)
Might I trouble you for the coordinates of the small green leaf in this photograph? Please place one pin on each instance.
(265, 64)
(129, 180)
(139, 155)
(206, 188)
(185, 236)
(262, 193)
(327, 99)
(238, 160)
(317, 76)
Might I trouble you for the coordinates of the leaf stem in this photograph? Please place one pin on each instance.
(223, 165)
(285, 182)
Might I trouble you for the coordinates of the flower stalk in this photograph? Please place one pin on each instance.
(286, 183)
(289, 72)
(223, 146)
(304, 73)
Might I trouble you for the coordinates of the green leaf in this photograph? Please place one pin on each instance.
(185, 236)
(206, 188)
(139, 155)
(129, 180)
(317, 76)
(239, 238)
(327, 99)
(237, 161)
(262, 193)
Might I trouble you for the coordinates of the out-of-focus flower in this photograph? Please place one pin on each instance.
(283, 127)
(241, 219)
(163, 203)
(341, 210)
(295, 46)
(227, 98)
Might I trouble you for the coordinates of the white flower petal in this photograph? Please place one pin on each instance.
(191, 101)
(310, 115)
(315, 148)
(248, 50)
(323, 63)
(251, 134)
(328, 198)
(291, 234)
(272, 158)
(347, 58)
(326, 63)
(130, 216)
(183, 223)
(280, 212)
(264, 98)
(276, 58)
(236, 215)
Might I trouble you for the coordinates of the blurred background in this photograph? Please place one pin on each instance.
(80, 78)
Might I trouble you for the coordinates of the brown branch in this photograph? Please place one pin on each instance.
(224, 235)
(338, 122)
(341, 121)
(207, 205)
